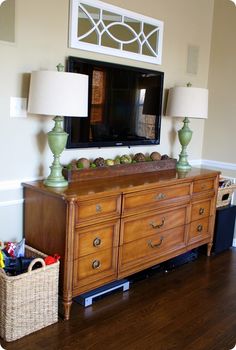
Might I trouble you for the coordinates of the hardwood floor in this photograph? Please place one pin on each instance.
(192, 307)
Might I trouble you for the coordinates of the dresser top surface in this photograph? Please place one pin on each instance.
(124, 183)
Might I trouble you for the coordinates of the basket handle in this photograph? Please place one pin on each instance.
(33, 262)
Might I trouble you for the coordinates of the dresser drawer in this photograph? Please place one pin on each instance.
(95, 267)
(153, 198)
(101, 208)
(153, 246)
(95, 238)
(203, 185)
(138, 226)
(201, 210)
(199, 230)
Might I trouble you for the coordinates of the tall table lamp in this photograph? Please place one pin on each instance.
(58, 93)
(188, 102)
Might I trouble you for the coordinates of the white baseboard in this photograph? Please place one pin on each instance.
(12, 202)
(196, 162)
(216, 164)
(213, 164)
(15, 184)
(11, 193)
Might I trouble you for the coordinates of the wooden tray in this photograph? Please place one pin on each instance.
(117, 170)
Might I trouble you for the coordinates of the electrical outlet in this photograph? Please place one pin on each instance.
(18, 107)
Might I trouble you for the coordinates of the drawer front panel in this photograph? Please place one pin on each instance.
(151, 246)
(95, 266)
(203, 185)
(96, 209)
(153, 197)
(145, 225)
(199, 230)
(96, 238)
(200, 210)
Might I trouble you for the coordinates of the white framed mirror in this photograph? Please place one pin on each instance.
(100, 27)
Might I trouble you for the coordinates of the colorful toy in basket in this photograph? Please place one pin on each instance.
(15, 250)
(14, 262)
(2, 265)
(51, 259)
(16, 266)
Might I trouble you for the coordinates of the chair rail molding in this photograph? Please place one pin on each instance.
(100, 27)
(15, 184)
(218, 164)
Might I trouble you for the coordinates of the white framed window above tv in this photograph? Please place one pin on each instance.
(100, 27)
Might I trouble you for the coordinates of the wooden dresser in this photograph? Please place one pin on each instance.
(107, 229)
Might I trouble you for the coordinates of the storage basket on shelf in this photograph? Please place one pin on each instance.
(29, 301)
(225, 193)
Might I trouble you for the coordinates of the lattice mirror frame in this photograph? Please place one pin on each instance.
(100, 27)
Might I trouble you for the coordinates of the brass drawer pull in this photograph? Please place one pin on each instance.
(151, 245)
(98, 208)
(153, 225)
(199, 228)
(201, 211)
(160, 196)
(97, 242)
(96, 264)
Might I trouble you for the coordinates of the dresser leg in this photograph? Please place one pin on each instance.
(67, 307)
(209, 246)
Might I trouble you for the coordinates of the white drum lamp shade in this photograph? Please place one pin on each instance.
(188, 102)
(58, 94)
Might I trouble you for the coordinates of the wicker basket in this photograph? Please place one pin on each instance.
(28, 302)
(224, 195)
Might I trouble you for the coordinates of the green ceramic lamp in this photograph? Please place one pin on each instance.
(59, 94)
(188, 102)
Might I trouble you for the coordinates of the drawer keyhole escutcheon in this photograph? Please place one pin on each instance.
(97, 242)
(199, 228)
(151, 245)
(160, 196)
(98, 208)
(154, 225)
(96, 264)
(201, 211)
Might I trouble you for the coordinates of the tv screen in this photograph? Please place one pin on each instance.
(125, 105)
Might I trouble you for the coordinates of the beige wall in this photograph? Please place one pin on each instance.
(220, 128)
(42, 42)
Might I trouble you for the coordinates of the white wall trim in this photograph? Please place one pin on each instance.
(15, 184)
(234, 242)
(9, 203)
(216, 164)
(195, 162)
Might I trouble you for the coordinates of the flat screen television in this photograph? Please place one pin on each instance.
(124, 107)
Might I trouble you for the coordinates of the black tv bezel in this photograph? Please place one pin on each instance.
(71, 62)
